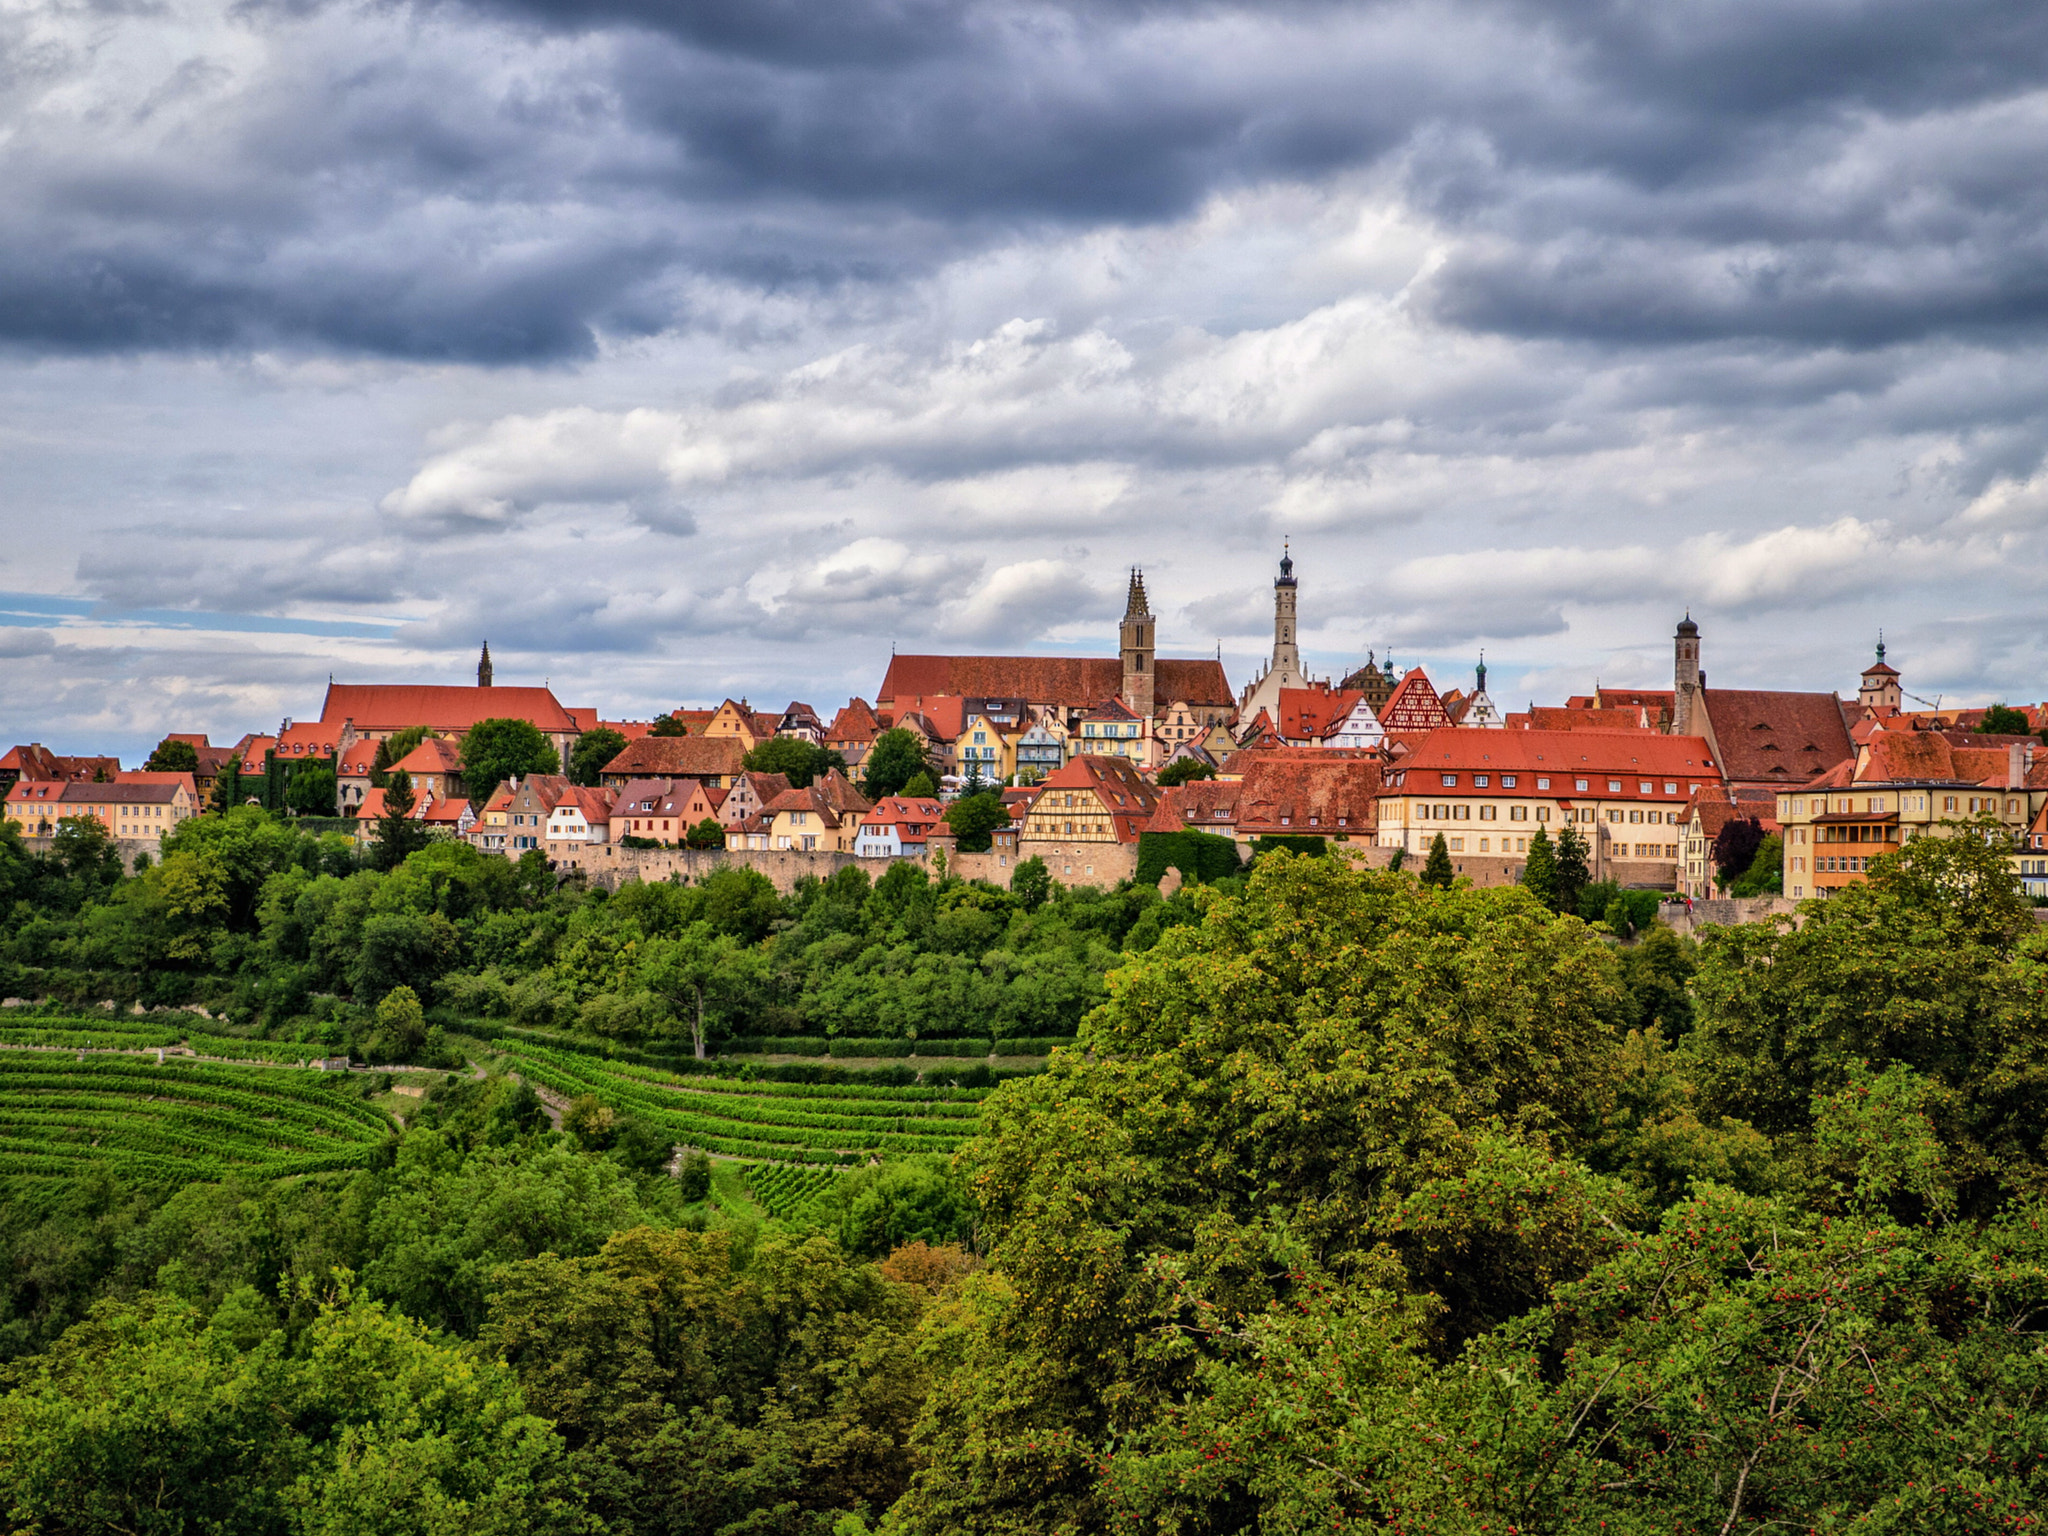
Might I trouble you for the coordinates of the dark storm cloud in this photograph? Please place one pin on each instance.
(1816, 171)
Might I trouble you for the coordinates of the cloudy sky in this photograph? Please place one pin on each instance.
(686, 348)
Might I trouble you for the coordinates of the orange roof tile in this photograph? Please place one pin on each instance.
(1047, 679)
(393, 707)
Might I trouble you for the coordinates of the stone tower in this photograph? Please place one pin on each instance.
(483, 667)
(1687, 711)
(1286, 654)
(1139, 638)
(1284, 670)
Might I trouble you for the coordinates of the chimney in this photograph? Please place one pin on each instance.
(2016, 765)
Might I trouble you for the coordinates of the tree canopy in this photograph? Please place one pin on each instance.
(896, 758)
(1185, 771)
(494, 751)
(173, 756)
(794, 758)
(593, 750)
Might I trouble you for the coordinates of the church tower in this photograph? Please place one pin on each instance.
(483, 667)
(1687, 708)
(1139, 638)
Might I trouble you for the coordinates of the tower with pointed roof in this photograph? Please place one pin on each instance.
(1686, 679)
(1138, 638)
(1284, 669)
(483, 667)
(1880, 686)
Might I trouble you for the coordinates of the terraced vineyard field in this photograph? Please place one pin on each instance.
(780, 1122)
(180, 1120)
(781, 1188)
(99, 1032)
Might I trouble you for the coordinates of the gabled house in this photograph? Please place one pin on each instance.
(352, 775)
(801, 723)
(1202, 805)
(985, 749)
(823, 817)
(487, 831)
(434, 766)
(1414, 705)
(713, 760)
(1041, 750)
(897, 827)
(738, 722)
(852, 733)
(749, 794)
(532, 801)
(1094, 799)
(580, 816)
(1112, 729)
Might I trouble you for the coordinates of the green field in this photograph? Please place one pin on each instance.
(781, 1188)
(777, 1122)
(181, 1120)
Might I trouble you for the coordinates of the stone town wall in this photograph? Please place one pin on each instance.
(609, 865)
(127, 847)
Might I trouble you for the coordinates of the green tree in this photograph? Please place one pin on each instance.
(921, 786)
(1574, 868)
(911, 1200)
(1436, 869)
(401, 1024)
(227, 787)
(399, 836)
(896, 758)
(394, 749)
(1184, 771)
(1031, 883)
(1765, 875)
(668, 725)
(312, 790)
(173, 756)
(975, 818)
(1539, 874)
(1927, 963)
(593, 750)
(699, 973)
(494, 751)
(147, 1418)
(2003, 720)
(708, 833)
(1396, 1098)
(795, 759)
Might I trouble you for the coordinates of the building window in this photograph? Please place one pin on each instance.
(1482, 845)
(1543, 813)
(1542, 783)
(1580, 785)
(1457, 845)
(1645, 788)
(1670, 789)
(1507, 781)
(1479, 779)
(1450, 781)
(1636, 817)
(1614, 786)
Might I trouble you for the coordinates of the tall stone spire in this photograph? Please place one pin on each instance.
(483, 667)
(1284, 669)
(1139, 642)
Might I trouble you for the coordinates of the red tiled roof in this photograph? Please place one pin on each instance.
(1191, 807)
(160, 789)
(679, 757)
(595, 804)
(357, 761)
(436, 755)
(1315, 712)
(393, 707)
(1778, 738)
(450, 811)
(1628, 756)
(1545, 717)
(911, 817)
(1128, 797)
(308, 738)
(945, 714)
(1298, 795)
(1047, 679)
(854, 723)
(144, 776)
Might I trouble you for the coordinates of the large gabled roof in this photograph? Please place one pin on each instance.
(1049, 679)
(394, 706)
(679, 757)
(1763, 736)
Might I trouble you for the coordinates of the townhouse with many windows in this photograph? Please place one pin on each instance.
(1627, 793)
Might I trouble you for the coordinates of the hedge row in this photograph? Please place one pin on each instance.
(959, 1049)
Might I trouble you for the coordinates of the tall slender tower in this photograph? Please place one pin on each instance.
(1286, 654)
(1685, 679)
(1139, 641)
(483, 667)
